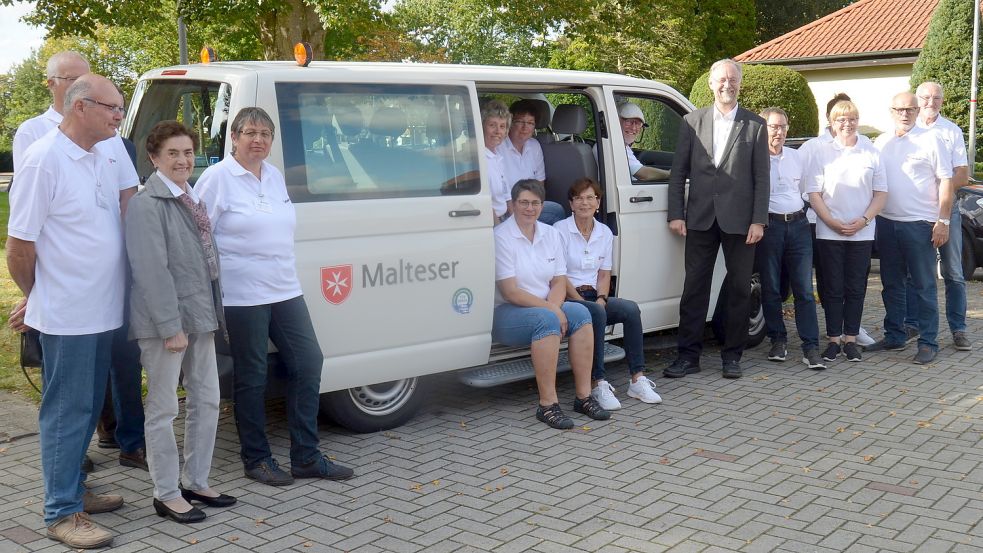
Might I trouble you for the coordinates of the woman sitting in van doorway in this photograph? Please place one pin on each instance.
(496, 122)
(522, 155)
(175, 309)
(254, 220)
(530, 308)
(588, 246)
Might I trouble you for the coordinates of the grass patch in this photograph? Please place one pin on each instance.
(11, 377)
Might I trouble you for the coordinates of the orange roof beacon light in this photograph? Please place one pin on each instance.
(207, 55)
(303, 53)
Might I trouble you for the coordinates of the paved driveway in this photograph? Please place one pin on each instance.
(881, 455)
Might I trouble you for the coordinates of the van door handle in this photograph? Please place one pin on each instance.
(465, 213)
(640, 199)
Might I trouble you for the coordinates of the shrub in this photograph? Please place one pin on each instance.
(763, 86)
(946, 58)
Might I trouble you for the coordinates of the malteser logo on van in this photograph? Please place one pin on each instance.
(336, 283)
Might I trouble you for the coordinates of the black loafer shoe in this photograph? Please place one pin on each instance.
(194, 515)
(680, 368)
(135, 459)
(732, 369)
(221, 501)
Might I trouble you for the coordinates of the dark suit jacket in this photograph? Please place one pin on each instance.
(736, 193)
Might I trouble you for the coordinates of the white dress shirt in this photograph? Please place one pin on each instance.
(723, 124)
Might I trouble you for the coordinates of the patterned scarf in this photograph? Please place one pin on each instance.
(200, 216)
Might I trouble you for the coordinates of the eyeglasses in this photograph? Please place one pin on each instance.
(909, 111)
(846, 120)
(529, 203)
(265, 135)
(778, 128)
(590, 198)
(632, 122)
(111, 108)
(517, 123)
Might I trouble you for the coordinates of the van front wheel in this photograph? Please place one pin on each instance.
(756, 315)
(376, 407)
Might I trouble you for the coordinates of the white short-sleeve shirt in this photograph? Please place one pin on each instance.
(585, 257)
(847, 177)
(501, 192)
(952, 137)
(66, 201)
(253, 222)
(532, 264)
(786, 182)
(913, 163)
(528, 164)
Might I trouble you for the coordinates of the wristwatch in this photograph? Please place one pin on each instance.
(944, 222)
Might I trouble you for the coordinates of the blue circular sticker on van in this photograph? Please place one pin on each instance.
(462, 301)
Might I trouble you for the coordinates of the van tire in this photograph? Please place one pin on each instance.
(756, 325)
(376, 407)
(968, 256)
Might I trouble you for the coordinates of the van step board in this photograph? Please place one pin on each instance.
(515, 370)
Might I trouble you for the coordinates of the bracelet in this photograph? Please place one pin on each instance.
(866, 220)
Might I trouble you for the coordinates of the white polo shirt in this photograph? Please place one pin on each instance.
(31, 130)
(633, 164)
(532, 264)
(847, 177)
(786, 182)
(913, 163)
(585, 257)
(528, 164)
(952, 137)
(501, 191)
(66, 201)
(253, 222)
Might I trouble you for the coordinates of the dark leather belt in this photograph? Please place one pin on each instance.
(787, 217)
(585, 288)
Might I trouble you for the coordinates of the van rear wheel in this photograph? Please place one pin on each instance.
(376, 407)
(756, 315)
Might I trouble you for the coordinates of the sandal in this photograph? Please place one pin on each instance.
(554, 417)
(588, 406)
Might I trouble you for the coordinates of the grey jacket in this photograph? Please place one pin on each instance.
(171, 290)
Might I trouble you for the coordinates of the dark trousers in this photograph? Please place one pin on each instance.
(700, 258)
(288, 325)
(122, 411)
(845, 266)
(615, 310)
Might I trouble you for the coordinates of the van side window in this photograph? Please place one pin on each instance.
(355, 142)
(657, 143)
(201, 105)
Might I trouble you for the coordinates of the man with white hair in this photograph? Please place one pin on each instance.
(929, 95)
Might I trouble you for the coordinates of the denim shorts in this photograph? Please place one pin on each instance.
(521, 326)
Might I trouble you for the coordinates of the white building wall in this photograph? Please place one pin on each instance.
(871, 89)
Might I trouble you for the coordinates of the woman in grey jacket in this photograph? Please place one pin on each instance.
(175, 309)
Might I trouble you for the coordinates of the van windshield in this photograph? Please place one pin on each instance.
(201, 105)
(351, 142)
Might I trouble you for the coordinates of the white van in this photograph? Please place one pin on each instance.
(394, 234)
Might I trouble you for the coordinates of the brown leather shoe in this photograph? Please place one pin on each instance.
(79, 532)
(94, 504)
(136, 459)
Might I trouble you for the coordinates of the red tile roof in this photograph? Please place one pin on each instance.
(864, 27)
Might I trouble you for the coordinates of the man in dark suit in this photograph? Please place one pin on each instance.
(723, 151)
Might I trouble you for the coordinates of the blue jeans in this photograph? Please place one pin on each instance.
(125, 375)
(788, 245)
(552, 212)
(952, 273)
(74, 375)
(520, 326)
(906, 249)
(615, 311)
(288, 325)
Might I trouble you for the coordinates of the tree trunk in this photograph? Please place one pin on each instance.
(295, 21)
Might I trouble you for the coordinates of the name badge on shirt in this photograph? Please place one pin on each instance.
(101, 200)
(262, 206)
(588, 262)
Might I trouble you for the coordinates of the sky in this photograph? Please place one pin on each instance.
(17, 39)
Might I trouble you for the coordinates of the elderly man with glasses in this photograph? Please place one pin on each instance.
(914, 223)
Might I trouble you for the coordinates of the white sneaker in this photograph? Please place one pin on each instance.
(864, 339)
(603, 394)
(644, 389)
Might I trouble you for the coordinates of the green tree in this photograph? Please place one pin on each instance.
(777, 17)
(946, 58)
(763, 86)
(729, 28)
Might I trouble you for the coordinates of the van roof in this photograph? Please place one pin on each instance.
(478, 73)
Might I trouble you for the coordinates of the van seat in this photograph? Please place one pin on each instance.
(567, 160)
